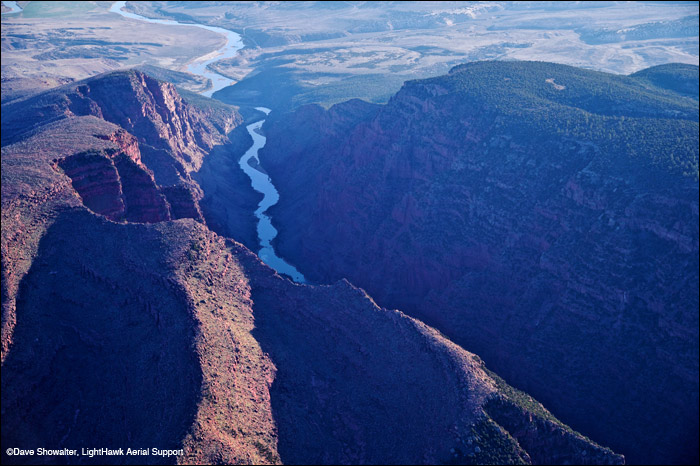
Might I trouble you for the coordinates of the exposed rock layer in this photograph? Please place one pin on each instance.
(159, 131)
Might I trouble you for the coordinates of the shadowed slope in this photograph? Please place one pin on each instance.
(359, 384)
(543, 216)
(103, 343)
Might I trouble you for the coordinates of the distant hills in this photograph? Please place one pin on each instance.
(675, 77)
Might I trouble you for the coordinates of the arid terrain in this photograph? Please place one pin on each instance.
(327, 52)
(331, 51)
(479, 195)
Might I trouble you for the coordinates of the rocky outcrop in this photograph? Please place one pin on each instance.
(97, 181)
(550, 231)
(144, 201)
(126, 142)
(114, 185)
(183, 201)
(161, 139)
(31, 191)
(149, 109)
(40, 130)
(546, 441)
(174, 136)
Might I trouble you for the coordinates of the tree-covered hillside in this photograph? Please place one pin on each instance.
(625, 115)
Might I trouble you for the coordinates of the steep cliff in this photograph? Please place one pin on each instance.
(542, 216)
(162, 334)
(171, 135)
(114, 185)
(151, 110)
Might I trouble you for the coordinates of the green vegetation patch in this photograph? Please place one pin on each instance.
(523, 400)
(676, 77)
(636, 125)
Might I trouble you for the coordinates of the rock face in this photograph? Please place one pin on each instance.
(151, 110)
(116, 186)
(182, 201)
(143, 199)
(96, 179)
(160, 132)
(553, 230)
(167, 335)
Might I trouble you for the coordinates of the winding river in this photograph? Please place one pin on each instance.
(260, 181)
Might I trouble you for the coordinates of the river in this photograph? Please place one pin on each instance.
(260, 181)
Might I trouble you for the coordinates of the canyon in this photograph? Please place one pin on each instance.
(482, 238)
(127, 321)
(553, 230)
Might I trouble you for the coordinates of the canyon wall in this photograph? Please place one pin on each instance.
(542, 216)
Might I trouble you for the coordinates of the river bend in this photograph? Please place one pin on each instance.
(259, 180)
